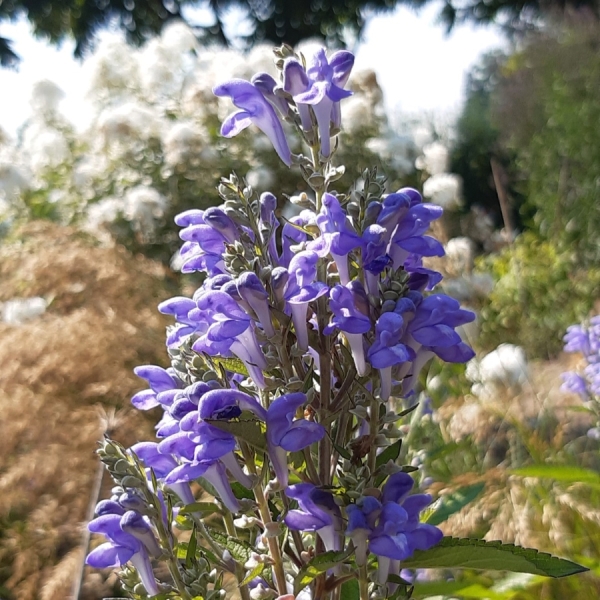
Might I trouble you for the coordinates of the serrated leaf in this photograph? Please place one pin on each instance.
(350, 590)
(235, 365)
(317, 565)
(240, 550)
(249, 430)
(206, 508)
(390, 453)
(475, 554)
(564, 473)
(258, 569)
(452, 503)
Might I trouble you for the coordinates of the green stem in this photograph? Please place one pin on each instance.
(310, 467)
(265, 515)
(373, 430)
(239, 569)
(363, 583)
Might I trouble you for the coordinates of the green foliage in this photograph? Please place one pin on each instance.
(482, 555)
(317, 565)
(548, 112)
(540, 290)
(454, 502)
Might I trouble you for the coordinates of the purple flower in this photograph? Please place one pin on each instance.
(162, 465)
(577, 340)
(388, 350)
(409, 238)
(255, 109)
(432, 331)
(268, 86)
(375, 258)
(350, 313)
(253, 292)
(320, 86)
(204, 450)
(337, 238)
(163, 386)
(224, 328)
(130, 538)
(302, 289)
(284, 434)
(575, 383)
(291, 235)
(317, 512)
(391, 527)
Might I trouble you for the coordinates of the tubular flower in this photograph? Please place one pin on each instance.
(284, 434)
(255, 109)
(390, 528)
(130, 539)
(317, 512)
(319, 86)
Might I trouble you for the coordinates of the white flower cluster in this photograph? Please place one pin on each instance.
(151, 142)
(441, 187)
(504, 368)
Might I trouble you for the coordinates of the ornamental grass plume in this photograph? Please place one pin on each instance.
(56, 368)
(286, 364)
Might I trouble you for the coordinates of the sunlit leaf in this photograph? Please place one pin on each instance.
(481, 555)
(317, 565)
(452, 503)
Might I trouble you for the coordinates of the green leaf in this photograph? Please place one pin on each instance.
(249, 430)
(240, 549)
(390, 453)
(452, 503)
(235, 365)
(342, 451)
(350, 590)
(439, 588)
(481, 555)
(182, 548)
(240, 492)
(190, 556)
(206, 508)
(258, 569)
(564, 473)
(317, 565)
(479, 591)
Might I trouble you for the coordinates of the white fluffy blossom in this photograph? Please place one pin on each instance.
(100, 214)
(434, 159)
(505, 367)
(444, 189)
(13, 179)
(182, 141)
(143, 206)
(112, 69)
(44, 146)
(460, 255)
(128, 121)
(45, 96)
(20, 310)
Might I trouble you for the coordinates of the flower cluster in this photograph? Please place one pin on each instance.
(585, 339)
(285, 358)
